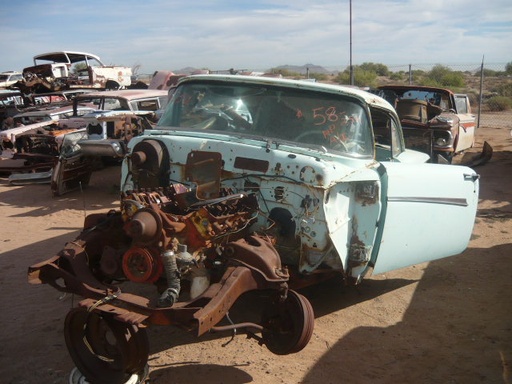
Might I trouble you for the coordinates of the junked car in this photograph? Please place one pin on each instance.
(45, 119)
(251, 184)
(108, 132)
(34, 164)
(9, 78)
(64, 96)
(55, 71)
(441, 117)
(125, 100)
(10, 103)
(46, 158)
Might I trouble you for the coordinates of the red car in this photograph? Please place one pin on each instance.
(441, 118)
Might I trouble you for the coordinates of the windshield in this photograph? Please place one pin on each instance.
(294, 115)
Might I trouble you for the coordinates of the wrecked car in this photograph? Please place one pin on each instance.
(434, 120)
(251, 184)
(44, 119)
(108, 132)
(9, 78)
(10, 104)
(55, 71)
(151, 100)
(35, 162)
(164, 80)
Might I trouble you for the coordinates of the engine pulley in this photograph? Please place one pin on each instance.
(142, 265)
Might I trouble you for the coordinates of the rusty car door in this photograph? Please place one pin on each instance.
(428, 213)
(73, 169)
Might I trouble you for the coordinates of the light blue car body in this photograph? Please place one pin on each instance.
(378, 208)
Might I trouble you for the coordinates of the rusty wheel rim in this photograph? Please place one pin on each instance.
(103, 349)
(288, 326)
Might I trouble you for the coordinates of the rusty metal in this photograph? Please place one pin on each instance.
(104, 349)
(203, 169)
(288, 324)
(53, 72)
(482, 158)
(128, 244)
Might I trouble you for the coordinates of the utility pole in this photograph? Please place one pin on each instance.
(351, 66)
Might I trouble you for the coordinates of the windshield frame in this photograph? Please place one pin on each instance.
(331, 122)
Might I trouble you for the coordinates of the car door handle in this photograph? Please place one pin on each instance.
(473, 177)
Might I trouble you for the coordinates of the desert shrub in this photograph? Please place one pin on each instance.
(398, 76)
(504, 89)
(442, 76)
(499, 103)
(453, 79)
(508, 68)
(473, 99)
(379, 69)
(362, 78)
(489, 73)
(319, 76)
(418, 73)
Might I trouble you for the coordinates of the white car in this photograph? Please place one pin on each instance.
(9, 78)
(54, 71)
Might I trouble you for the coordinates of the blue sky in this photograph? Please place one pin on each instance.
(257, 35)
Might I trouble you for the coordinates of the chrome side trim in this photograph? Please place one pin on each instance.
(431, 200)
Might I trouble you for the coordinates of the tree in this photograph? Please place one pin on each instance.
(362, 78)
(79, 67)
(379, 69)
(508, 68)
(443, 76)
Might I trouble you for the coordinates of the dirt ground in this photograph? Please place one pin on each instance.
(448, 321)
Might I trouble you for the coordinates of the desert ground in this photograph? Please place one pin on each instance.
(448, 321)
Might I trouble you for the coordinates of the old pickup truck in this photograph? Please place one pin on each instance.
(435, 120)
(251, 184)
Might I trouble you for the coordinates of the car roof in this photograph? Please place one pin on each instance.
(114, 115)
(53, 110)
(65, 56)
(403, 88)
(129, 94)
(363, 96)
(65, 92)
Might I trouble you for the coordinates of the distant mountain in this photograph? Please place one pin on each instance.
(304, 69)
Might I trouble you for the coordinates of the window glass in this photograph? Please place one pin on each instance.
(319, 119)
(112, 104)
(460, 102)
(388, 138)
(147, 105)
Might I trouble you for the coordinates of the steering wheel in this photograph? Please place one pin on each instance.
(214, 119)
(338, 144)
(236, 118)
(314, 133)
(207, 124)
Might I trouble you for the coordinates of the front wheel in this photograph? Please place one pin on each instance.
(288, 325)
(105, 350)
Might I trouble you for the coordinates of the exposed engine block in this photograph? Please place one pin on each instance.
(191, 231)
